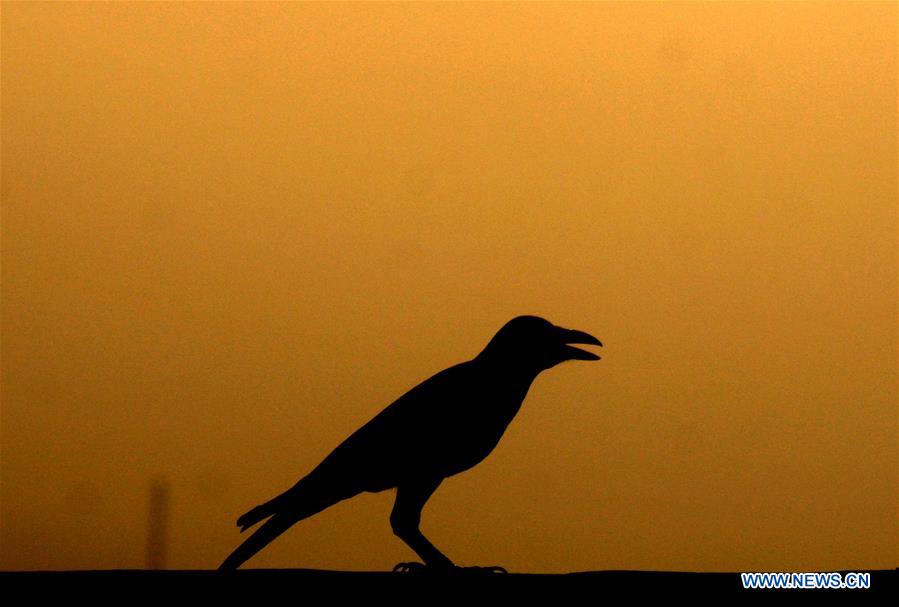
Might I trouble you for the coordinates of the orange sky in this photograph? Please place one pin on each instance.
(232, 233)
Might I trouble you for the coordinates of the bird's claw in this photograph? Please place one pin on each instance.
(486, 570)
(421, 568)
(411, 567)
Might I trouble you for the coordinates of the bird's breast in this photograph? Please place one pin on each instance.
(474, 427)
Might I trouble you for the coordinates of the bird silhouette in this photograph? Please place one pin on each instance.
(441, 427)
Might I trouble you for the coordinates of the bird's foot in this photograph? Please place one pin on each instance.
(422, 569)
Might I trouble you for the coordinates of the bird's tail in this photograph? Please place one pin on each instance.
(260, 512)
(302, 501)
(262, 537)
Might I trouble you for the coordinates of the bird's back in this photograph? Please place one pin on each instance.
(407, 438)
(443, 426)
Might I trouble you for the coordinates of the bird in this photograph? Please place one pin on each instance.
(443, 426)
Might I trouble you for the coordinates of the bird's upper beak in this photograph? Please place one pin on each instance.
(573, 336)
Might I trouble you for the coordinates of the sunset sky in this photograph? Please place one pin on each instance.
(233, 233)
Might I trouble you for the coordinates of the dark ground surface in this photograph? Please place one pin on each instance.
(299, 586)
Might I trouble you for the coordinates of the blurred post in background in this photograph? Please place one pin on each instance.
(157, 524)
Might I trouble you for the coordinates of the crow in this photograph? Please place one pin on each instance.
(441, 427)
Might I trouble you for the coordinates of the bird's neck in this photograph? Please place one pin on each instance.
(508, 373)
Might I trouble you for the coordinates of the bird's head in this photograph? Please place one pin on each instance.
(535, 343)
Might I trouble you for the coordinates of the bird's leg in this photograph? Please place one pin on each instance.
(405, 519)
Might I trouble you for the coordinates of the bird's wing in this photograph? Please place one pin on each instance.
(400, 441)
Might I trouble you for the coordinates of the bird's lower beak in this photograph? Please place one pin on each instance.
(573, 336)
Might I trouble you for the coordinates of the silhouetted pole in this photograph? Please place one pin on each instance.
(157, 519)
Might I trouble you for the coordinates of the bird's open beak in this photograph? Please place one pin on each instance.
(573, 336)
